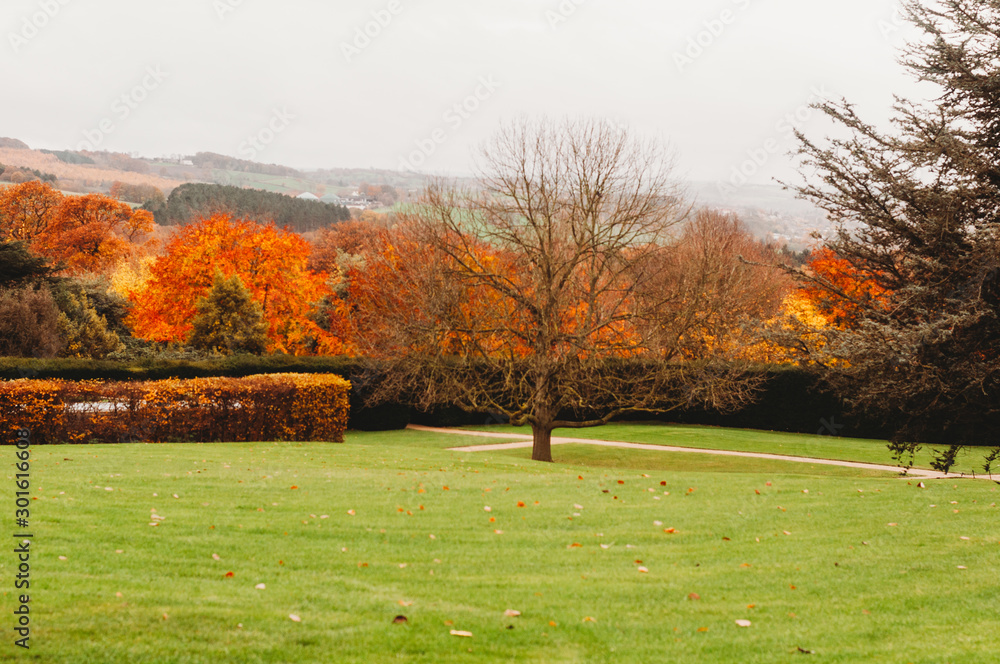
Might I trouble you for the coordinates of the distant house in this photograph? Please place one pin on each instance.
(308, 196)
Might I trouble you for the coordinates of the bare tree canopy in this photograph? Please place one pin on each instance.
(543, 295)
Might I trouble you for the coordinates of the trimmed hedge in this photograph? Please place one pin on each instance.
(362, 417)
(263, 407)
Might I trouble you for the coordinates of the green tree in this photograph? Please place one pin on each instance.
(84, 331)
(918, 212)
(228, 320)
(18, 265)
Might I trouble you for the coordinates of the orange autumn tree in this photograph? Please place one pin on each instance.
(87, 234)
(27, 210)
(93, 233)
(271, 263)
(838, 289)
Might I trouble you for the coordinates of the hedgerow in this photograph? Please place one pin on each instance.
(294, 407)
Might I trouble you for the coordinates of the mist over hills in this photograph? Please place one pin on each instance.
(769, 210)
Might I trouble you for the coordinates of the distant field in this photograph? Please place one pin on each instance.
(632, 558)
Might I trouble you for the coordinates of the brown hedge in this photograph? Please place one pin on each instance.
(296, 407)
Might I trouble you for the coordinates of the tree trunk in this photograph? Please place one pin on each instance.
(542, 448)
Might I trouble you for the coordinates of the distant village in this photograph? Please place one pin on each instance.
(355, 201)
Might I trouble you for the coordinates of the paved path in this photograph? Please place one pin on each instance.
(521, 441)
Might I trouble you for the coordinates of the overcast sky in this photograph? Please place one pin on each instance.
(719, 79)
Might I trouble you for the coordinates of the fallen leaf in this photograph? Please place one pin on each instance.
(294, 487)
(511, 613)
(702, 629)
(215, 556)
(589, 619)
(670, 530)
(260, 586)
(743, 623)
(487, 509)
(294, 618)
(694, 597)
(804, 651)
(498, 532)
(520, 504)
(552, 623)
(351, 512)
(398, 620)
(230, 575)
(574, 545)
(643, 570)
(456, 632)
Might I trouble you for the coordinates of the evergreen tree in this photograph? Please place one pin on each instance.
(918, 218)
(228, 320)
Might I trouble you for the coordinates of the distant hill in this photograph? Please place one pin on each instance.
(190, 201)
(13, 143)
(85, 177)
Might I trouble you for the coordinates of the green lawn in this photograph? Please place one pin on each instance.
(747, 440)
(855, 567)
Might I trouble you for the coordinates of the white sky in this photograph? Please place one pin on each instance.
(228, 65)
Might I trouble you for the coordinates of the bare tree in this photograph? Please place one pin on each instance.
(530, 297)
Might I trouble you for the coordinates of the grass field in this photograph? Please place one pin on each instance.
(970, 460)
(854, 567)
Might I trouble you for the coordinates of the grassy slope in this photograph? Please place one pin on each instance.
(863, 590)
(747, 440)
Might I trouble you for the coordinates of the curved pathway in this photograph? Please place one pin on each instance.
(522, 441)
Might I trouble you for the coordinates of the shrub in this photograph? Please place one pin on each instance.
(29, 322)
(256, 408)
